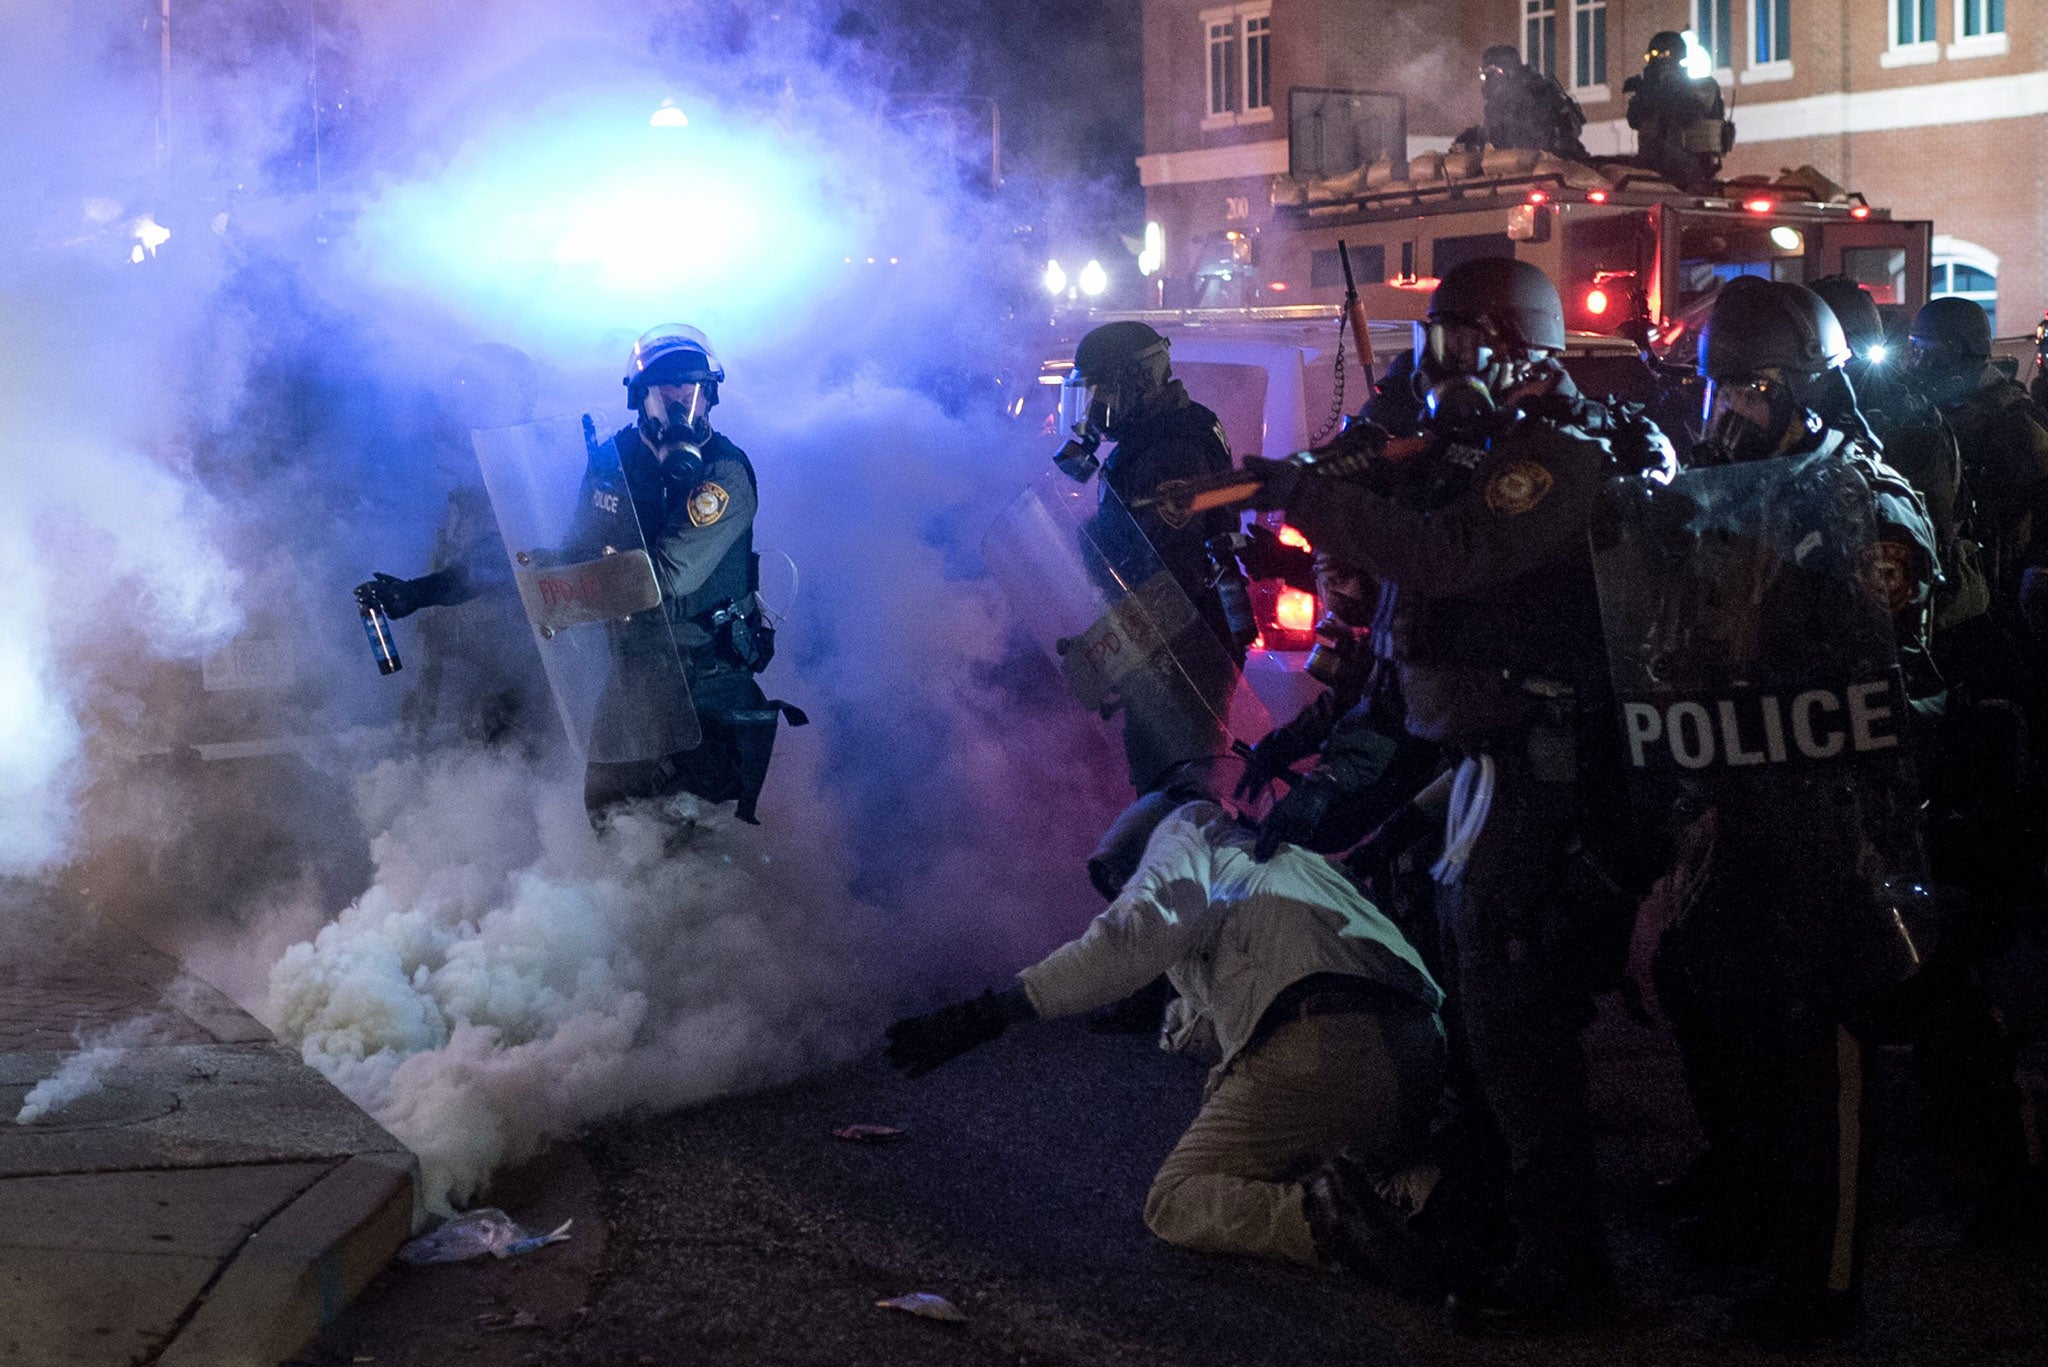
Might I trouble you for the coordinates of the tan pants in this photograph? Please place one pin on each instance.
(1351, 1082)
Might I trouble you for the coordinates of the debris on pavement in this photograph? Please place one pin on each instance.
(927, 1305)
(475, 1233)
(518, 1319)
(868, 1134)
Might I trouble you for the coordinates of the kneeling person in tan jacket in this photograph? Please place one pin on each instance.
(1325, 1016)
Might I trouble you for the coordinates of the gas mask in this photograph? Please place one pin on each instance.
(1076, 459)
(1752, 419)
(674, 415)
(1458, 367)
(1942, 374)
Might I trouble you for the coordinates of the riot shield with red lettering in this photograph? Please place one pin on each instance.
(1086, 582)
(1748, 613)
(589, 588)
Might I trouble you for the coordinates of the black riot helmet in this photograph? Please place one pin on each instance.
(1117, 368)
(1668, 43)
(1500, 57)
(1857, 312)
(1772, 353)
(1489, 321)
(1951, 343)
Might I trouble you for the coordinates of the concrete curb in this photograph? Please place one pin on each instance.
(294, 1274)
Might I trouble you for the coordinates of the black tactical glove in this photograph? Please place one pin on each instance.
(1267, 557)
(392, 596)
(1297, 817)
(1278, 480)
(1373, 860)
(1265, 763)
(918, 1044)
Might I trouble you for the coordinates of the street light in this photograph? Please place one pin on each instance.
(1154, 254)
(1094, 279)
(668, 116)
(1055, 279)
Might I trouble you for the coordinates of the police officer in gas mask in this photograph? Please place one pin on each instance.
(1680, 123)
(1489, 614)
(1122, 391)
(1798, 561)
(695, 497)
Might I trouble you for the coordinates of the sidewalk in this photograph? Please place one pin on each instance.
(210, 1201)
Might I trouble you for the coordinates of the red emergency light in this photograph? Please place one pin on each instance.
(1596, 300)
(1597, 196)
(1538, 197)
(1295, 610)
(1278, 286)
(1759, 206)
(1860, 211)
(1290, 537)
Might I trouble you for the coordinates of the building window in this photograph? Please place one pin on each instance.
(1912, 22)
(1258, 61)
(1240, 47)
(1771, 24)
(1589, 43)
(1966, 271)
(1979, 18)
(1539, 35)
(1222, 66)
(1714, 25)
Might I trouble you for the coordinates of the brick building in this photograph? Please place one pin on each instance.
(1933, 108)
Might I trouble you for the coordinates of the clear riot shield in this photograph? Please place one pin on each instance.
(1748, 616)
(1090, 587)
(589, 588)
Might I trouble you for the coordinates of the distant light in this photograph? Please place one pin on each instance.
(1278, 285)
(1295, 610)
(1094, 280)
(1759, 206)
(1291, 537)
(668, 116)
(1538, 196)
(1860, 211)
(1055, 278)
(149, 235)
(892, 260)
(1596, 301)
(1877, 353)
(1787, 239)
(1597, 196)
(1154, 254)
(1698, 62)
(1052, 379)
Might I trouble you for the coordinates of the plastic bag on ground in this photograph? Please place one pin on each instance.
(475, 1233)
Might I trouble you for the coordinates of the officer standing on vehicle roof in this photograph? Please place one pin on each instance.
(694, 495)
(1494, 625)
(1787, 565)
(1680, 121)
(1524, 108)
(1122, 389)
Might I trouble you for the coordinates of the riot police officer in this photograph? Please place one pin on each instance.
(1524, 108)
(1490, 617)
(2004, 439)
(1785, 561)
(1680, 121)
(1122, 390)
(694, 496)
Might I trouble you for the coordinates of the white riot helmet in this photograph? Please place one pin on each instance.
(672, 381)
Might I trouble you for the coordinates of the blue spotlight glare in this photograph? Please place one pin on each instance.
(561, 226)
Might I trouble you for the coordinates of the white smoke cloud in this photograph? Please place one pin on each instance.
(223, 437)
(83, 1073)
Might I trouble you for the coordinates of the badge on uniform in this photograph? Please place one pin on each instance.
(1885, 570)
(707, 504)
(1518, 488)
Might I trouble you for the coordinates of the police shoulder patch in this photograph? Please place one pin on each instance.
(708, 503)
(1518, 488)
(1885, 571)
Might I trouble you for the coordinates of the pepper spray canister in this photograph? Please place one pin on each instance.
(377, 626)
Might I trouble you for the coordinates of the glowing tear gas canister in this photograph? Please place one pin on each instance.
(377, 627)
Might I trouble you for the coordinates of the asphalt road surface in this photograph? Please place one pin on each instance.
(743, 1232)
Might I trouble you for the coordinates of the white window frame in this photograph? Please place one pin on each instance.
(1235, 17)
(1598, 13)
(1978, 44)
(1777, 68)
(1921, 48)
(1724, 74)
(1533, 12)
